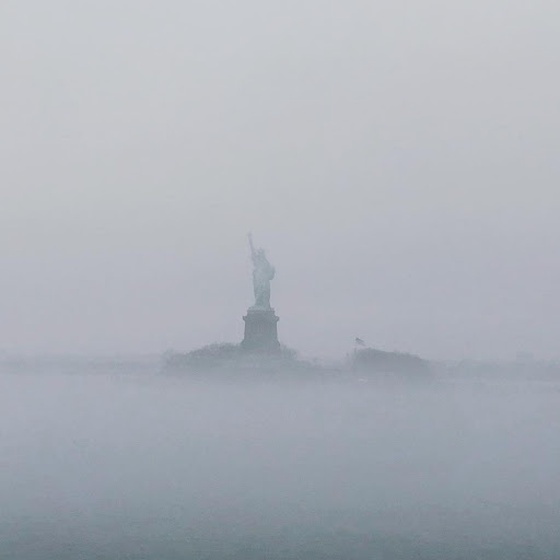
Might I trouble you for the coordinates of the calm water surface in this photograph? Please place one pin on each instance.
(136, 466)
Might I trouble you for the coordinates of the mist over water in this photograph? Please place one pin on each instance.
(142, 466)
(399, 163)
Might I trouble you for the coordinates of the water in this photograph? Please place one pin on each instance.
(135, 466)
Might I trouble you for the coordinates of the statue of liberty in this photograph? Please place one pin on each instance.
(263, 273)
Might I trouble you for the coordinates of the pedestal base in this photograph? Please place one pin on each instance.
(261, 330)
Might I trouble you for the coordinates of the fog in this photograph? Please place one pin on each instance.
(398, 162)
(144, 466)
(397, 159)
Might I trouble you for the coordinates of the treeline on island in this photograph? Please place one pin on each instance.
(227, 357)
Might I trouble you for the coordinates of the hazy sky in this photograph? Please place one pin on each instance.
(398, 160)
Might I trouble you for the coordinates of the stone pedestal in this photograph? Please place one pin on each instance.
(261, 330)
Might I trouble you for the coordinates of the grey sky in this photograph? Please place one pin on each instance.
(397, 159)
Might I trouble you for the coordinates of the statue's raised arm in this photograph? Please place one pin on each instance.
(251, 245)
